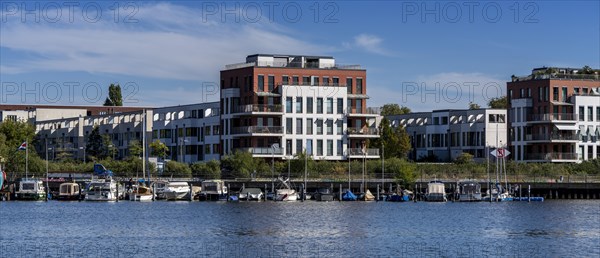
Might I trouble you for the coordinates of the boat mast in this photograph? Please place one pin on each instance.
(497, 160)
(26, 159)
(144, 146)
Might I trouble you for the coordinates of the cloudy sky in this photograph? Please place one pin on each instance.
(420, 55)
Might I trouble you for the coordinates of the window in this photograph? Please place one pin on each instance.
(340, 127)
(309, 105)
(271, 82)
(261, 83)
(319, 105)
(285, 80)
(309, 144)
(288, 105)
(309, 126)
(564, 94)
(349, 85)
(330, 148)
(329, 127)
(316, 81)
(339, 147)
(597, 114)
(336, 81)
(575, 91)
(298, 146)
(329, 105)
(359, 106)
(581, 114)
(340, 106)
(299, 105)
(319, 126)
(319, 147)
(585, 91)
(288, 147)
(325, 81)
(294, 80)
(359, 86)
(555, 93)
(305, 80)
(298, 125)
(288, 125)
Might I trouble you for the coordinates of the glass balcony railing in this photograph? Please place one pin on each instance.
(551, 117)
(363, 152)
(258, 130)
(549, 137)
(552, 156)
(262, 150)
(263, 108)
(363, 131)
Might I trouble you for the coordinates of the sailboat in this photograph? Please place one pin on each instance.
(286, 193)
(141, 192)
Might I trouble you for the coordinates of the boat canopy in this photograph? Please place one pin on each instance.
(349, 196)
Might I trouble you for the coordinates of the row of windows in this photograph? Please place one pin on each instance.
(306, 80)
(189, 132)
(590, 114)
(307, 145)
(543, 93)
(456, 139)
(311, 103)
(320, 123)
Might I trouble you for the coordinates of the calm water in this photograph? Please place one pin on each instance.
(310, 229)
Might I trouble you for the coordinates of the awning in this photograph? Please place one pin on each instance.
(566, 127)
(558, 103)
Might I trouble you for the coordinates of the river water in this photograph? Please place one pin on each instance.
(556, 228)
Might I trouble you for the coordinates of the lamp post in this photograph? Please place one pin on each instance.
(82, 148)
(47, 184)
(111, 150)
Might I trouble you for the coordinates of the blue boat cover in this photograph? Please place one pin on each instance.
(349, 196)
(100, 170)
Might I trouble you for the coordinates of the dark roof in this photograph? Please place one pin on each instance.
(276, 55)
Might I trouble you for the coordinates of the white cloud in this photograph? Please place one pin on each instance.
(169, 42)
(369, 43)
(448, 90)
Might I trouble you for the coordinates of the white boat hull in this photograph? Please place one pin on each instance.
(173, 196)
(287, 195)
(100, 197)
(140, 198)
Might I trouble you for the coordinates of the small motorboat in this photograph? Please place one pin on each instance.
(251, 194)
(176, 191)
(323, 195)
(69, 192)
(436, 192)
(349, 196)
(141, 193)
(31, 189)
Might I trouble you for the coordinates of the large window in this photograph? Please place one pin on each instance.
(330, 148)
(319, 105)
(336, 81)
(359, 86)
(294, 80)
(581, 114)
(261, 83)
(271, 82)
(288, 125)
(555, 93)
(340, 106)
(299, 105)
(564, 94)
(298, 125)
(325, 81)
(349, 85)
(309, 126)
(319, 126)
(359, 106)
(309, 147)
(285, 80)
(597, 114)
(329, 105)
(319, 147)
(329, 126)
(288, 104)
(340, 127)
(298, 146)
(339, 147)
(309, 105)
(288, 147)
(305, 80)
(590, 113)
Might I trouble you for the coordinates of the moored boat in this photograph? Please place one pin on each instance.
(141, 193)
(251, 194)
(286, 193)
(104, 190)
(68, 192)
(323, 195)
(31, 189)
(176, 190)
(436, 192)
(469, 191)
(213, 190)
(349, 196)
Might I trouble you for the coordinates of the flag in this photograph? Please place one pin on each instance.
(23, 146)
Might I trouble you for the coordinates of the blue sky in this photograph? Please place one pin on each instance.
(431, 55)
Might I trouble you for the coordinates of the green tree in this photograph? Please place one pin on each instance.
(158, 149)
(394, 109)
(240, 164)
(207, 170)
(12, 134)
(499, 103)
(135, 148)
(586, 70)
(115, 98)
(464, 158)
(404, 171)
(396, 141)
(95, 145)
(473, 105)
(177, 169)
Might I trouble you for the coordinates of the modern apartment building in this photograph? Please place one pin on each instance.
(283, 105)
(69, 135)
(446, 134)
(190, 131)
(554, 115)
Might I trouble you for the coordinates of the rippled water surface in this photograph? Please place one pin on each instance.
(310, 229)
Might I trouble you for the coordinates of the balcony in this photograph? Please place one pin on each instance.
(365, 132)
(552, 138)
(262, 151)
(369, 112)
(552, 157)
(356, 153)
(551, 117)
(258, 131)
(259, 109)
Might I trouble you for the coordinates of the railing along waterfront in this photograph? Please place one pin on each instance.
(258, 129)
